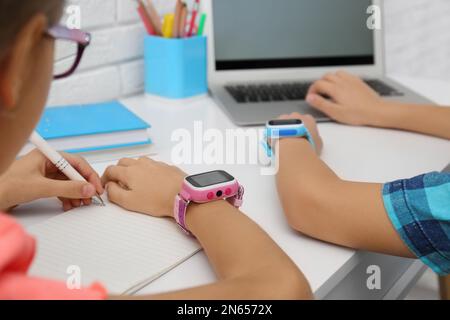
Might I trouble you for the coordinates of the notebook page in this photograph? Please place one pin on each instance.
(121, 249)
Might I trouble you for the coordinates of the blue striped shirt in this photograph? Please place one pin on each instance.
(419, 209)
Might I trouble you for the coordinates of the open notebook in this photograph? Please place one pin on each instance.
(123, 250)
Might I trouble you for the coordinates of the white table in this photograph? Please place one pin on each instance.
(355, 153)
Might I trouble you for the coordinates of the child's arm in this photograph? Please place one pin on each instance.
(320, 204)
(353, 102)
(248, 263)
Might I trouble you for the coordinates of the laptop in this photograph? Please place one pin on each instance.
(264, 54)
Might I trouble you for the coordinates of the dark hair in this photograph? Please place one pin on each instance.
(14, 14)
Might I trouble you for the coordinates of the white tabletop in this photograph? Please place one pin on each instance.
(355, 153)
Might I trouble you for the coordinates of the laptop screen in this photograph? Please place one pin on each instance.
(257, 34)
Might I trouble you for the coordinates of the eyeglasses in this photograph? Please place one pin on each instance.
(68, 51)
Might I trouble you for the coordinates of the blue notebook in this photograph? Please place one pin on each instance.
(83, 128)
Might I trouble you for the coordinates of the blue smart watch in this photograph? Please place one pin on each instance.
(285, 128)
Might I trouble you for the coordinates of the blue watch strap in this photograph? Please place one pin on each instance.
(310, 139)
(286, 133)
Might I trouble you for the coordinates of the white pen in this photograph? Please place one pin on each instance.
(58, 160)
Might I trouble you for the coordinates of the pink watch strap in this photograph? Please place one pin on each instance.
(180, 207)
(181, 204)
(238, 199)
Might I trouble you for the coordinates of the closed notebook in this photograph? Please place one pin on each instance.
(83, 128)
(123, 250)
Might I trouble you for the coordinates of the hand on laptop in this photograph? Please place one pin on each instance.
(143, 185)
(350, 100)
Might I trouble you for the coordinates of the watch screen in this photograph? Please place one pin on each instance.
(209, 178)
(285, 122)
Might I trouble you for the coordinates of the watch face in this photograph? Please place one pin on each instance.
(285, 122)
(209, 179)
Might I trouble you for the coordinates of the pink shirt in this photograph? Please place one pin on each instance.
(17, 250)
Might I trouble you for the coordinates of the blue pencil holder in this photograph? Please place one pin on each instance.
(175, 68)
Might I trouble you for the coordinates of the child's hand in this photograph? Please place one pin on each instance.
(143, 185)
(34, 177)
(311, 125)
(350, 100)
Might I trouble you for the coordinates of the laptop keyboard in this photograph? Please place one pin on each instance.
(291, 91)
(383, 89)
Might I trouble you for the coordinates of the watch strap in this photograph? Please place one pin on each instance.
(310, 139)
(181, 205)
(269, 149)
(237, 200)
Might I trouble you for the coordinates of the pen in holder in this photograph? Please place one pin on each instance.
(175, 68)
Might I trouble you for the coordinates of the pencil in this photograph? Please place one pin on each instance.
(183, 19)
(58, 160)
(176, 25)
(146, 19)
(168, 25)
(201, 26)
(193, 18)
(154, 16)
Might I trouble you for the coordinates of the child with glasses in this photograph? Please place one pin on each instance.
(248, 263)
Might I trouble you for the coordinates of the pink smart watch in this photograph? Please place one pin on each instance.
(206, 187)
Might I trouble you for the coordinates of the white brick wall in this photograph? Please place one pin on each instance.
(112, 66)
(417, 43)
